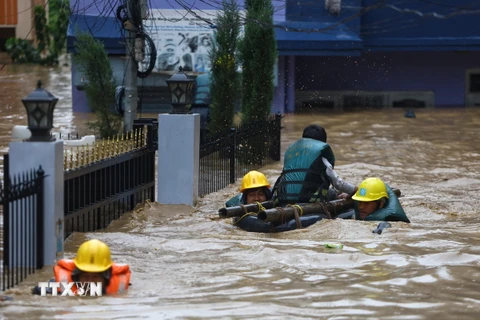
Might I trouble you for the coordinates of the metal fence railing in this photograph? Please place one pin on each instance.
(22, 224)
(227, 157)
(105, 181)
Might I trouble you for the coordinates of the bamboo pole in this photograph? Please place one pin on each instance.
(241, 210)
(334, 207)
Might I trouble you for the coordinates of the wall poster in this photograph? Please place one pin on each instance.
(182, 39)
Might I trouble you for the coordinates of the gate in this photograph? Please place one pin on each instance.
(22, 222)
(106, 180)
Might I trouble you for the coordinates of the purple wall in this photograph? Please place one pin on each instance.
(94, 7)
(426, 23)
(278, 103)
(442, 72)
(79, 98)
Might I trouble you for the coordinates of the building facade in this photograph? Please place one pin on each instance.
(17, 19)
(332, 54)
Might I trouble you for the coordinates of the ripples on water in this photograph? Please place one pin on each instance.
(188, 264)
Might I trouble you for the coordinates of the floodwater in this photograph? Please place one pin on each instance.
(188, 264)
(18, 81)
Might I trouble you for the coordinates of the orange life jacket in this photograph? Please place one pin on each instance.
(119, 280)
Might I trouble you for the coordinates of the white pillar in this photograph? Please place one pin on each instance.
(30, 155)
(178, 158)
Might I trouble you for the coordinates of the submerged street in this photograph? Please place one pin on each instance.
(188, 264)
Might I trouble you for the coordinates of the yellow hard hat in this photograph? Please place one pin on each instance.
(371, 189)
(93, 256)
(254, 179)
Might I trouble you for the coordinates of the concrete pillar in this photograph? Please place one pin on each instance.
(279, 94)
(30, 155)
(290, 108)
(178, 158)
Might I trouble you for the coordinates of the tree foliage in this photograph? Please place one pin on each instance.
(58, 18)
(92, 60)
(224, 76)
(258, 54)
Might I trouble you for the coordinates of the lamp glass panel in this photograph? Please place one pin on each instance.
(171, 87)
(48, 107)
(39, 114)
(189, 92)
(176, 91)
(182, 88)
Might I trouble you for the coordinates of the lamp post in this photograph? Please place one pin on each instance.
(181, 89)
(40, 105)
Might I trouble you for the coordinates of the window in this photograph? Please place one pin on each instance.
(474, 82)
(409, 103)
(363, 101)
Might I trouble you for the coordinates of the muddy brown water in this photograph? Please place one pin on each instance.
(188, 264)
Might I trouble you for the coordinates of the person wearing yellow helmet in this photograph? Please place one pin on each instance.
(375, 201)
(255, 188)
(93, 263)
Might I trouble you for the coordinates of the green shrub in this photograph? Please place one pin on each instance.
(92, 60)
(225, 79)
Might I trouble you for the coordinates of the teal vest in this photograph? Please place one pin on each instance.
(235, 201)
(202, 92)
(304, 178)
(392, 211)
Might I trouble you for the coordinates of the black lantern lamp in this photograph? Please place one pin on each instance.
(40, 105)
(181, 88)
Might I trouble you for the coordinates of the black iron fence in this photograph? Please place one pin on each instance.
(225, 158)
(22, 214)
(104, 181)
